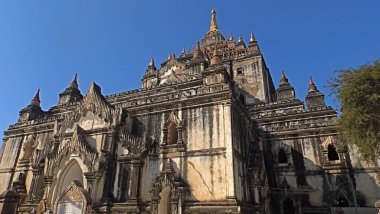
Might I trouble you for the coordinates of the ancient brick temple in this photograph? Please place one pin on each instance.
(207, 132)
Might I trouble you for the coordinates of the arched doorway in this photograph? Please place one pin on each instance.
(164, 206)
(288, 207)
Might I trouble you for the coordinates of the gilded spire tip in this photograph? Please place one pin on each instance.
(311, 80)
(213, 25)
(312, 86)
(252, 39)
(151, 63)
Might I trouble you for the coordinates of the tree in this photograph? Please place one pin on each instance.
(358, 91)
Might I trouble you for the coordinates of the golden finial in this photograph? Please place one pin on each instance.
(252, 39)
(231, 39)
(151, 64)
(213, 25)
(312, 86)
(240, 39)
(311, 80)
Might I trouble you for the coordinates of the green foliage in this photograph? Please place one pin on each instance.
(358, 91)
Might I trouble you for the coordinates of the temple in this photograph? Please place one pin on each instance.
(207, 132)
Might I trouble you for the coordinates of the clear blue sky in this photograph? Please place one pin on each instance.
(43, 43)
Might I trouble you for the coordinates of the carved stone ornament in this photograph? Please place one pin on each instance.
(74, 200)
(78, 144)
(134, 145)
(96, 103)
(173, 119)
(172, 71)
(179, 189)
(329, 141)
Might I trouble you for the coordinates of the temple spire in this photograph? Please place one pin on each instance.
(36, 99)
(215, 60)
(252, 39)
(213, 25)
(183, 53)
(283, 79)
(71, 94)
(312, 86)
(151, 64)
(171, 56)
(74, 83)
(285, 91)
(197, 51)
(314, 98)
(240, 39)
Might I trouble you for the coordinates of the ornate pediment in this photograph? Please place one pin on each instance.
(330, 140)
(95, 102)
(79, 146)
(134, 145)
(173, 71)
(75, 199)
(173, 119)
(103, 113)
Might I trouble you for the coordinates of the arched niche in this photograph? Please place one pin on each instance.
(282, 158)
(330, 152)
(172, 133)
(74, 200)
